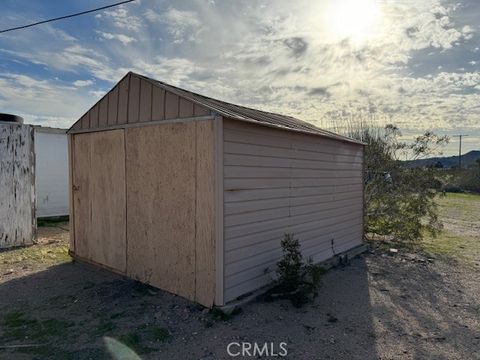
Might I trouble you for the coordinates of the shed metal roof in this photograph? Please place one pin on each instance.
(94, 119)
(243, 113)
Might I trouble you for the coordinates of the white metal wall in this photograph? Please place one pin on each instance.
(17, 191)
(278, 182)
(51, 153)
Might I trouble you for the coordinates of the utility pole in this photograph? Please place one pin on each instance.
(460, 136)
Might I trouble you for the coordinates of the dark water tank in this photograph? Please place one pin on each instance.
(11, 118)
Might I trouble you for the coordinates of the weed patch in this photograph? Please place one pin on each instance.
(134, 341)
(19, 327)
(105, 327)
(159, 334)
(117, 315)
(137, 340)
(47, 351)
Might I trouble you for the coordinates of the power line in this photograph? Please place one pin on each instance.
(66, 16)
(460, 136)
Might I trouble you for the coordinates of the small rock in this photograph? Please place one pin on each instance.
(8, 272)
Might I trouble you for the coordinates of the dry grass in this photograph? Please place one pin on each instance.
(51, 249)
(460, 238)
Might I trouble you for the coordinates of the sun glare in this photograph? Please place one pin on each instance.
(357, 20)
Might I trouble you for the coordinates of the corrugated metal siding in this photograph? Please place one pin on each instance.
(51, 158)
(278, 182)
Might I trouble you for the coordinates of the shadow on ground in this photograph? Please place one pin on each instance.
(376, 307)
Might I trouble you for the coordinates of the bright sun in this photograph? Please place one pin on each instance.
(357, 20)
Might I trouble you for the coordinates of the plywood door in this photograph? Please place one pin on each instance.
(99, 198)
(161, 206)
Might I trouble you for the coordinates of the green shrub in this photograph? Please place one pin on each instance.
(297, 280)
(399, 201)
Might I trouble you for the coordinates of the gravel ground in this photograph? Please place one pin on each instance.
(380, 306)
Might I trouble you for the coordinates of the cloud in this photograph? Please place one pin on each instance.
(122, 18)
(280, 57)
(297, 45)
(46, 102)
(82, 83)
(182, 25)
(124, 39)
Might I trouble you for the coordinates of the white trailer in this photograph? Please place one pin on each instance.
(51, 180)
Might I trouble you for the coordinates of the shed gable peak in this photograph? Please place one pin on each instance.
(135, 100)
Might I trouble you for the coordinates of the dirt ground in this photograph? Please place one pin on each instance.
(380, 306)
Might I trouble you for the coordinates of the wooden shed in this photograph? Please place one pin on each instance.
(193, 195)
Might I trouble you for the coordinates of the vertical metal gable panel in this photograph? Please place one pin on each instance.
(123, 94)
(112, 106)
(136, 100)
(171, 105)
(185, 108)
(94, 123)
(103, 112)
(145, 101)
(158, 104)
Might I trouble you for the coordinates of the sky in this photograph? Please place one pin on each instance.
(412, 63)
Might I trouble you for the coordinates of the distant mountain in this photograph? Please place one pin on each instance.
(468, 159)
